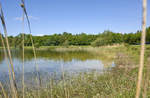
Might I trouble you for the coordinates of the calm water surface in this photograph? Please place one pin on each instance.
(50, 62)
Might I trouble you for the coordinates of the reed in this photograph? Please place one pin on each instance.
(4, 93)
(8, 51)
(23, 84)
(9, 68)
(143, 40)
(33, 47)
(63, 78)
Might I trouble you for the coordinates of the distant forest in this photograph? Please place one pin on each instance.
(67, 39)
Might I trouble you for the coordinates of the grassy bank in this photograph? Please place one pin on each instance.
(119, 82)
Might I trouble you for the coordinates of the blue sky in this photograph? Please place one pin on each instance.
(75, 16)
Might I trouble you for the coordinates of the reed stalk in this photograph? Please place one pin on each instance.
(9, 69)
(33, 47)
(51, 87)
(8, 50)
(63, 78)
(23, 84)
(140, 73)
(3, 90)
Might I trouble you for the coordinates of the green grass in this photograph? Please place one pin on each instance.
(120, 82)
(115, 84)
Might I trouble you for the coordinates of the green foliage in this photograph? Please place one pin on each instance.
(36, 45)
(66, 43)
(108, 38)
(99, 42)
(66, 39)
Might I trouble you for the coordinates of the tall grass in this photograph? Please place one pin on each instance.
(8, 51)
(119, 82)
(3, 90)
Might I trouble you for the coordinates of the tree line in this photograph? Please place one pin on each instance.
(67, 39)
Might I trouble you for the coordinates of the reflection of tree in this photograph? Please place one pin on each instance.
(58, 55)
(54, 55)
(1, 56)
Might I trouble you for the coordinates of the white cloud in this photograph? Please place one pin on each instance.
(30, 17)
(40, 35)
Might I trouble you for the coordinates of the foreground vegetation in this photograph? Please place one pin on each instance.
(119, 82)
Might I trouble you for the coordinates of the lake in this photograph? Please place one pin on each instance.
(53, 63)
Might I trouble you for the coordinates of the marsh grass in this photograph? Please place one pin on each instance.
(90, 85)
(119, 82)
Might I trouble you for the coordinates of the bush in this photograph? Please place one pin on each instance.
(99, 42)
(37, 45)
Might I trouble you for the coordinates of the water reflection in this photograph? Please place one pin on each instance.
(50, 62)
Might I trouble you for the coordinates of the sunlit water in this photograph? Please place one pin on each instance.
(50, 63)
